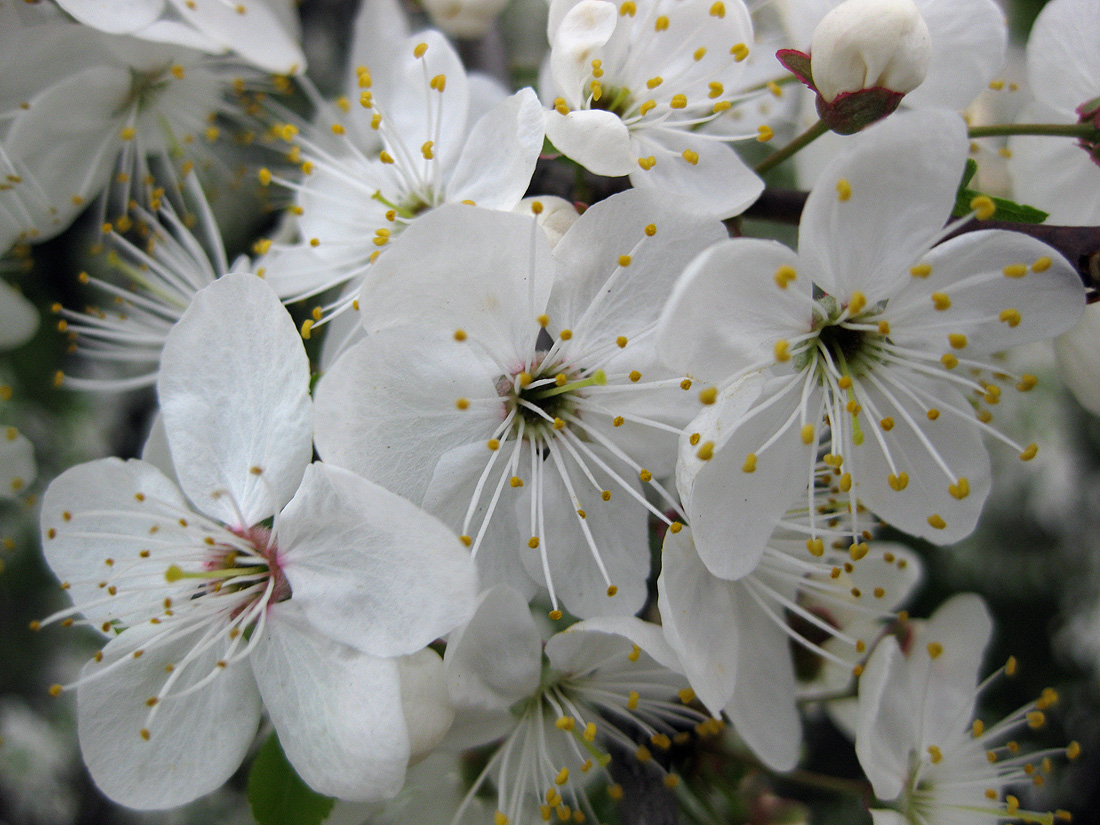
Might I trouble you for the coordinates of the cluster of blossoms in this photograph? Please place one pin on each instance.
(432, 532)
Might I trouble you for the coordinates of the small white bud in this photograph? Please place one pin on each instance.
(866, 44)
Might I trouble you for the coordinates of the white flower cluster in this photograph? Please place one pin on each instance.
(515, 398)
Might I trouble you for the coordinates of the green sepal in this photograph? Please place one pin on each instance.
(278, 796)
(1006, 210)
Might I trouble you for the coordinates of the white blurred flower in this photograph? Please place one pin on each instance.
(464, 18)
(35, 768)
(209, 612)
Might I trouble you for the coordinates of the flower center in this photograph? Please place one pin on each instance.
(545, 399)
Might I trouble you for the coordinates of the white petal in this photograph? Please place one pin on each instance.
(630, 299)
(970, 269)
(887, 816)
(234, 392)
(499, 157)
(1076, 351)
(576, 39)
(387, 408)
(259, 35)
(586, 646)
(698, 614)
(597, 140)
(968, 49)
(1062, 62)
(370, 569)
(885, 732)
(717, 184)
(495, 660)
(425, 701)
(894, 210)
(460, 267)
(18, 318)
(727, 310)
(114, 16)
(337, 711)
(196, 741)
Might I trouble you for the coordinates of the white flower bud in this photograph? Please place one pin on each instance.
(866, 44)
(464, 18)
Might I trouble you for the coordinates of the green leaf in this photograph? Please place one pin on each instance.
(1006, 210)
(276, 793)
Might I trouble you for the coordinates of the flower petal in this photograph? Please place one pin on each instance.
(240, 425)
(370, 569)
(337, 711)
(18, 469)
(258, 33)
(596, 139)
(114, 16)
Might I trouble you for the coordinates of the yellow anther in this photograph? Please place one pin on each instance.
(782, 350)
(898, 482)
(705, 452)
(936, 521)
(845, 483)
(960, 489)
(426, 150)
(784, 276)
(611, 589)
(949, 361)
(589, 734)
(647, 107)
(597, 68)
(807, 433)
(562, 777)
(460, 335)
(265, 176)
(920, 270)
(385, 157)
(857, 303)
(675, 527)
(650, 230)
(853, 408)
(1027, 382)
(463, 403)
(560, 106)
(605, 495)
(661, 24)
(815, 546)
(632, 700)
(1041, 264)
(1073, 750)
(565, 334)
(721, 106)
(1036, 719)
(935, 649)
(597, 89)
(375, 121)
(643, 754)
(718, 9)
(654, 82)
(500, 818)
(559, 424)
(647, 163)
(765, 133)
(439, 82)
(618, 421)
(957, 340)
(628, 8)
(338, 129)
(466, 540)
(307, 328)
(1015, 270)
(699, 54)
(843, 190)
(750, 464)
(983, 207)
(739, 51)
(935, 754)
(645, 475)
(1029, 452)
(996, 85)
(634, 654)
(420, 49)
(708, 396)
(940, 301)
(533, 542)
(615, 791)
(560, 379)
(554, 615)
(678, 102)
(691, 156)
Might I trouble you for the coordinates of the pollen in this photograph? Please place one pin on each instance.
(843, 190)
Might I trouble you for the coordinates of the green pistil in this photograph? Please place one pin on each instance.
(614, 100)
(174, 573)
(598, 378)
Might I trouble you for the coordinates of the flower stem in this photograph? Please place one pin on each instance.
(800, 142)
(1078, 130)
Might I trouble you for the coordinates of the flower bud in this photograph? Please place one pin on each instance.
(868, 44)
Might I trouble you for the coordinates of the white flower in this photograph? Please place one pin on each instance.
(918, 740)
(464, 18)
(864, 345)
(629, 84)
(561, 711)
(209, 612)
(263, 32)
(412, 132)
(18, 323)
(155, 285)
(514, 392)
(866, 44)
(733, 638)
